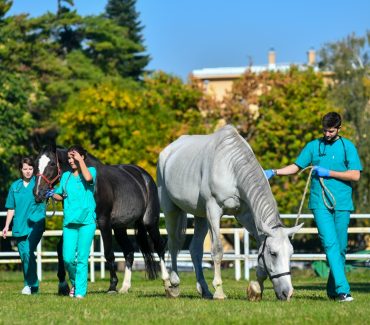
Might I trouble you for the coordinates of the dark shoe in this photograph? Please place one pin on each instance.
(344, 297)
(332, 297)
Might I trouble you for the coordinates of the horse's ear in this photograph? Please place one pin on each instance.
(291, 231)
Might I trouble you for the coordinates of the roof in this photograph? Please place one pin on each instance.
(234, 72)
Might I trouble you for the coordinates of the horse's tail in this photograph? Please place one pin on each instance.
(152, 213)
(142, 239)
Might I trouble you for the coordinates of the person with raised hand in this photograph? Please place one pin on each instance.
(76, 189)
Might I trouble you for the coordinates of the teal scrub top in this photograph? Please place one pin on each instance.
(79, 203)
(26, 210)
(331, 156)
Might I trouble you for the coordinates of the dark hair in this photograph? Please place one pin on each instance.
(79, 149)
(331, 120)
(26, 160)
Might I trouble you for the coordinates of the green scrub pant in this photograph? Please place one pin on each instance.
(77, 239)
(26, 248)
(333, 233)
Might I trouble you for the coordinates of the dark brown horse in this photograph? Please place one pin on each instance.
(126, 197)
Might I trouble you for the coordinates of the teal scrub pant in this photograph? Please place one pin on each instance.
(26, 248)
(77, 239)
(333, 233)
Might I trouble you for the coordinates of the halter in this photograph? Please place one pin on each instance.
(52, 181)
(261, 255)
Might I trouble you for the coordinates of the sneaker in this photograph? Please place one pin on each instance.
(80, 297)
(72, 292)
(26, 290)
(344, 297)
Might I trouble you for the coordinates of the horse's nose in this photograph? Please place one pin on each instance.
(287, 294)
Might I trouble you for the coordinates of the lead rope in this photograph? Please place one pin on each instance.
(324, 191)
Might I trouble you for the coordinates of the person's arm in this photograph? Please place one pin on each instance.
(9, 218)
(348, 175)
(84, 170)
(287, 170)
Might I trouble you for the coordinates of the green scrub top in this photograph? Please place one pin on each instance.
(331, 156)
(26, 210)
(79, 203)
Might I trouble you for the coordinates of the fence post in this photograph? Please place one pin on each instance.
(92, 263)
(236, 254)
(39, 261)
(246, 254)
(102, 261)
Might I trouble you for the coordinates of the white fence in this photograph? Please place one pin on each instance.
(239, 234)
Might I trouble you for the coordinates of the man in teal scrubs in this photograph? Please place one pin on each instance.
(28, 222)
(76, 188)
(335, 160)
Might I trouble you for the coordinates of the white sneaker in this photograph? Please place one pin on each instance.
(26, 290)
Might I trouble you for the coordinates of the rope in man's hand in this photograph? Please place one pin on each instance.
(324, 192)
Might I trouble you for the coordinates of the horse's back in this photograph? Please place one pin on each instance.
(122, 190)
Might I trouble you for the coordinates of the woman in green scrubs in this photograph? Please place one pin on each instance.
(76, 189)
(28, 222)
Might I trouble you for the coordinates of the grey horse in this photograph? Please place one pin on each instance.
(212, 175)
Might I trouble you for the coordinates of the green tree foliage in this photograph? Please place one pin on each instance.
(348, 59)
(17, 97)
(121, 122)
(290, 116)
(124, 14)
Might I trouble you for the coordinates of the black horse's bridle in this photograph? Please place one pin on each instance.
(48, 181)
(261, 255)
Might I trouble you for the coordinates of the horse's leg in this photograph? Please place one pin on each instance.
(176, 223)
(214, 213)
(196, 251)
(63, 288)
(159, 247)
(176, 227)
(255, 288)
(128, 251)
(106, 233)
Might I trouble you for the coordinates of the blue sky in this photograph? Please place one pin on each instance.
(184, 35)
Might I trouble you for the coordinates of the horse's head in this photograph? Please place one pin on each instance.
(47, 172)
(274, 258)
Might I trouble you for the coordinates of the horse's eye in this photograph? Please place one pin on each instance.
(52, 164)
(274, 254)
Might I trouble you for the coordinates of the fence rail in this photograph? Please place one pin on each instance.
(239, 234)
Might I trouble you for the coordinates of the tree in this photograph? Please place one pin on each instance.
(120, 121)
(17, 97)
(124, 14)
(348, 59)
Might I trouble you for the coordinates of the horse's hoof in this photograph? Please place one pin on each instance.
(124, 289)
(172, 292)
(112, 292)
(63, 288)
(219, 293)
(254, 292)
(219, 296)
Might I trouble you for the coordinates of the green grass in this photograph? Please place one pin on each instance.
(147, 304)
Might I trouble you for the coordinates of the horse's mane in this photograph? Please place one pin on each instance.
(248, 172)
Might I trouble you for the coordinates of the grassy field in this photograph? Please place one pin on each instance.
(147, 304)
